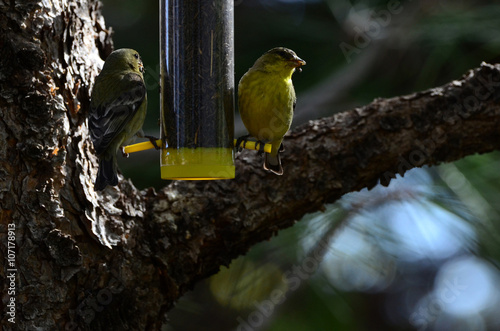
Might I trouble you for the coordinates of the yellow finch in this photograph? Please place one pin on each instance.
(117, 110)
(266, 99)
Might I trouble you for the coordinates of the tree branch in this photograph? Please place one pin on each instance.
(216, 221)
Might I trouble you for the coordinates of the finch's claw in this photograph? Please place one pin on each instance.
(125, 155)
(153, 141)
(242, 139)
(259, 145)
(282, 148)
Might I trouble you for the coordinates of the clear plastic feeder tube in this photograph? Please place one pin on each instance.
(197, 89)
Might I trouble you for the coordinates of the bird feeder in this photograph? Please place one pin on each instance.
(197, 89)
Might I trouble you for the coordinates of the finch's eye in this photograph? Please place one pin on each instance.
(136, 56)
(284, 55)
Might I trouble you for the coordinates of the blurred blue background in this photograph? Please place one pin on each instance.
(421, 254)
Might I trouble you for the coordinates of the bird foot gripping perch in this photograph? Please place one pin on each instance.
(243, 142)
(242, 139)
(154, 141)
(124, 154)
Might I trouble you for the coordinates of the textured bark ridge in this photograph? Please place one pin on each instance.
(120, 259)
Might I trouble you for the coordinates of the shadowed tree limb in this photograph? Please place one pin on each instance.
(325, 159)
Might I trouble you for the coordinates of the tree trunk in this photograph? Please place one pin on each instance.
(76, 259)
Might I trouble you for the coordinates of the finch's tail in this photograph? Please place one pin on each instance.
(106, 175)
(272, 163)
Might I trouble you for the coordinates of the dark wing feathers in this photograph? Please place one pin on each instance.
(106, 121)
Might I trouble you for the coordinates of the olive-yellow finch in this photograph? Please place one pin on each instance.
(117, 110)
(266, 99)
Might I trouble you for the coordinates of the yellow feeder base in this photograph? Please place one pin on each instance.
(197, 163)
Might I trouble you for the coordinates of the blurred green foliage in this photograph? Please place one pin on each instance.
(386, 246)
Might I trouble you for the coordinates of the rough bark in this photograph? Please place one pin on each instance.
(120, 259)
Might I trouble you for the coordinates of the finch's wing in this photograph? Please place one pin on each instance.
(107, 120)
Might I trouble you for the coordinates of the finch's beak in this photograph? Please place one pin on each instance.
(141, 67)
(297, 62)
